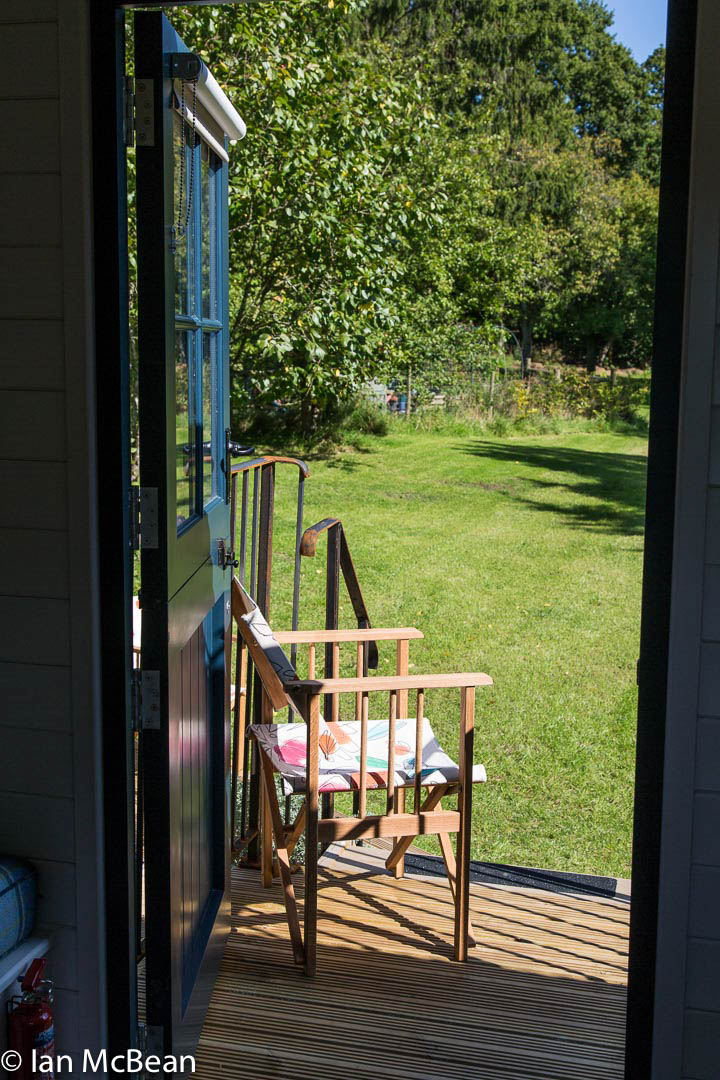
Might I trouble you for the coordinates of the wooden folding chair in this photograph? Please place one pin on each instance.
(313, 757)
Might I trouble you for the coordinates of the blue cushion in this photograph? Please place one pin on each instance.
(18, 896)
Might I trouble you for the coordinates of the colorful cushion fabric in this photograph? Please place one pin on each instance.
(18, 891)
(339, 758)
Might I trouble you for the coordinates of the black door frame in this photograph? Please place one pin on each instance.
(659, 532)
(110, 282)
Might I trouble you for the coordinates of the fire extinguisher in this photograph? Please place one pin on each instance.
(31, 1022)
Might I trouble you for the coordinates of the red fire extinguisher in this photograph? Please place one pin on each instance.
(31, 1023)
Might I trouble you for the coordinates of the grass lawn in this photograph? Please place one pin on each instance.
(520, 557)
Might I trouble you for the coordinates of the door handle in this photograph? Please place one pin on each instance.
(232, 449)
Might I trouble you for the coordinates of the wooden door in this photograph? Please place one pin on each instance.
(184, 415)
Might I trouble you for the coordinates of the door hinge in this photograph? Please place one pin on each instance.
(145, 700)
(150, 1039)
(145, 112)
(129, 111)
(143, 517)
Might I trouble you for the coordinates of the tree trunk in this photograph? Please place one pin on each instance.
(526, 346)
(591, 355)
(409, 391)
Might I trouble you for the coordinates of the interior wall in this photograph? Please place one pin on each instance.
(49, 718)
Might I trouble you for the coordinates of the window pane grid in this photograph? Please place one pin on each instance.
(199, 328)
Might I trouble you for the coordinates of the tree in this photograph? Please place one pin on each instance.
(319, 201)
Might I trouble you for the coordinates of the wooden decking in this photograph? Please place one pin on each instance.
(541, 998)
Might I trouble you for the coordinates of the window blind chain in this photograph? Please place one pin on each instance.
(182, 226)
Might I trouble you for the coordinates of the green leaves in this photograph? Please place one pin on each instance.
(417, 182)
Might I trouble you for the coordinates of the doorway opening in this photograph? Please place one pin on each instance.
(193, 497)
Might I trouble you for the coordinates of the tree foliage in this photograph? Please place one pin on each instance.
(420, 179)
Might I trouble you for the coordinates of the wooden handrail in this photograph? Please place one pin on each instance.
(309, 542)
(258, 462)
(455, 680)
(309, 637)
(308, 548)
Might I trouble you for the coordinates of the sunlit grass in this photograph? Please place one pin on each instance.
(520, 557)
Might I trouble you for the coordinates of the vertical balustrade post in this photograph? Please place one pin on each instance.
(401, 668)
(261, 571)
(332, 611)
(465, 764)
(419, 748)
(312, 714)
(391, 808)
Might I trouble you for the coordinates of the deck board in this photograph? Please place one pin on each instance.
(542, 996)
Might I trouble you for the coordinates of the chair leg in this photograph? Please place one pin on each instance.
(451, 869)
(462, 880)
(297, 830)
(283, 859)
(400, 798)
(311, 835)
(266, 859)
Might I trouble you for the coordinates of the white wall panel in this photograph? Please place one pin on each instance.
(30, 137)
(56, 892)
(32, 425)
(34, 631)
(32, 283)
(36, 764)
(31, 202)
(33, 353)
(30, 61)
(37, 827)
(21, 483)
(35, 696)
(33, 562)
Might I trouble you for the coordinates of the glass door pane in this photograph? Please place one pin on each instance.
(185, 428)
(208, 188)
(210, 417)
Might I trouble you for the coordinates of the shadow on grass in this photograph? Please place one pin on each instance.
(609, 489)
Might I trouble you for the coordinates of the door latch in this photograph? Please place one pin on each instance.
(232, 449)
(225, 559)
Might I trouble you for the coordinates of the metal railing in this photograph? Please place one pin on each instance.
(256, 511)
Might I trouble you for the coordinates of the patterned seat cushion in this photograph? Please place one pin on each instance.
(339, 765)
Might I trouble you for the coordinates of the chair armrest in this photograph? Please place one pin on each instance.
(388, 682)
(312, 637)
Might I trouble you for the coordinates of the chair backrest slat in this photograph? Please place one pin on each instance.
(362, 807)
(418, 746)
(391, 753)
(335, 675)
(403, 656)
